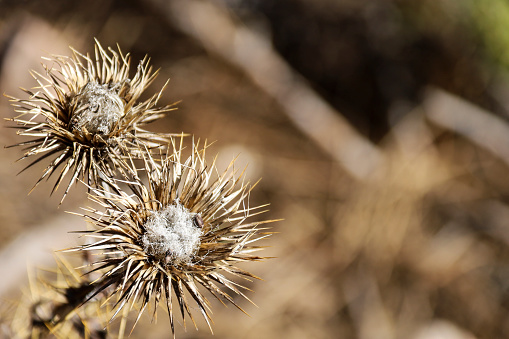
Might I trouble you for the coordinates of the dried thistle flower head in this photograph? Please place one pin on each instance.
(85, 115)
(182, 230)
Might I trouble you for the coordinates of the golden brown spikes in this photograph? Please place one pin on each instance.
(163, 233)
(152, 246)
(84, 116)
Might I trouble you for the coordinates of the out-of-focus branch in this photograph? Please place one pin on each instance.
(470, 121)
(252, 53)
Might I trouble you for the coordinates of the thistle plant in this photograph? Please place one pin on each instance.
(85, 115)
(167, 226)
(179, 230)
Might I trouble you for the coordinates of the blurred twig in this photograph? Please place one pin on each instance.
(468, 120)
(253, 54)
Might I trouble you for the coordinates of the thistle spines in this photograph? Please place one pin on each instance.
(169, 226)
(85, 116)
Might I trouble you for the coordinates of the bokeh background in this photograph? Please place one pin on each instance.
(379, 127)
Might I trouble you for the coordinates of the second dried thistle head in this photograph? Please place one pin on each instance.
(183, 229)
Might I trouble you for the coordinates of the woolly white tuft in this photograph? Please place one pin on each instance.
(171, 234)
(102, 109)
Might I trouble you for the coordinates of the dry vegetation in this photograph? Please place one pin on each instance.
(400, 230)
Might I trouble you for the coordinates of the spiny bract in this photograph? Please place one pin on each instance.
(187, 226)
(85, 115)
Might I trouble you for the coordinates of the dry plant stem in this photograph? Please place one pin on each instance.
(254, 55)
(123, 323)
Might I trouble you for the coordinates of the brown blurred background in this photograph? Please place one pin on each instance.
(379, 127)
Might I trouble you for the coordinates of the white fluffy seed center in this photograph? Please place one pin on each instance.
(98, 109)
(171, 235)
